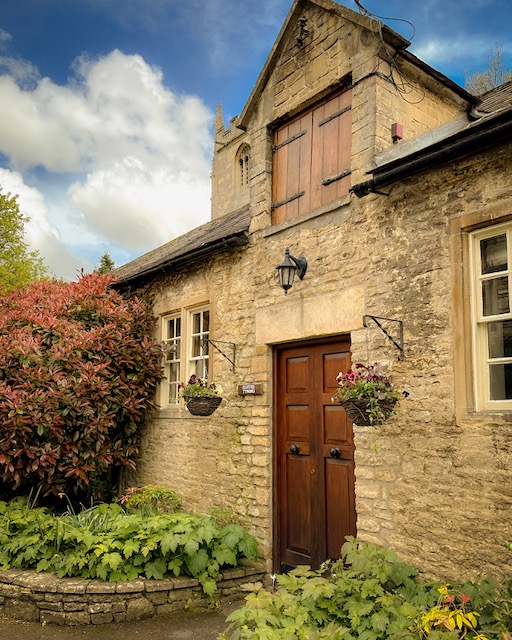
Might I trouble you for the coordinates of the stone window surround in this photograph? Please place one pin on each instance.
(460, 230)
(185, 311)
(242, 167)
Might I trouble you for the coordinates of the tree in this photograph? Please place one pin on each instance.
(78, 373)
(107, 263)
(495, 74)
(18, 265)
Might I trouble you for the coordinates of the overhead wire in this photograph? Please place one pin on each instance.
(395, 75)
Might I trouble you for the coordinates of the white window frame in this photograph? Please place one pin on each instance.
(178, 350)
(482, 360)
(198, 348)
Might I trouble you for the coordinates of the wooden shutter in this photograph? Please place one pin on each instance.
(312, 157)
(331, 159)
(291, 169)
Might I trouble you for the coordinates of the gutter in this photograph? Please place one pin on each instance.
(467, 142)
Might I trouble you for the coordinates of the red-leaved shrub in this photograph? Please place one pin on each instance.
(78, 372)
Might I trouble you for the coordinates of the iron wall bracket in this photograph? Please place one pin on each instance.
(232, 358)
(399, 341)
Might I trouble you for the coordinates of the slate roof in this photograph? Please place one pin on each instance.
(224, 234)
(497, 98)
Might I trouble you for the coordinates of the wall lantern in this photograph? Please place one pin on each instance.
(287, 270)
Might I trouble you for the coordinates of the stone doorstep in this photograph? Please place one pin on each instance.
(73, 602)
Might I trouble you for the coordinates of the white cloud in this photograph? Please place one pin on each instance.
(133, 206)
(22, 71)
(462, 49)
(135, 155)
(5, 37)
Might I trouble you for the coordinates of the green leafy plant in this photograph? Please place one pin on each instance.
(78, 373)
(367, 595)
(107, 543)
(366, 384)
(199, 388)
(151, 500)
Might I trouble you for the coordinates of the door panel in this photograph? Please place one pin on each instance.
(339, 477)
(314, 466)
(299, 510)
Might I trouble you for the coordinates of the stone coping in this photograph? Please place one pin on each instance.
(45, 598)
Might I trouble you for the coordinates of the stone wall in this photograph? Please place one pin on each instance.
(435, 483)
(40, 597)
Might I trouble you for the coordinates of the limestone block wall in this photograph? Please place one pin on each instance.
(435, 483)
(227, 192)
(413, 105)
(223, 460)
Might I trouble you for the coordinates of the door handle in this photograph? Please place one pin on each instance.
(335, 452)
(294, 448)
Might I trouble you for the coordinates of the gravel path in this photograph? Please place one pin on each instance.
(180, 626)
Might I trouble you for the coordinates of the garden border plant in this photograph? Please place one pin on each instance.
(370, 595)
(105, 542)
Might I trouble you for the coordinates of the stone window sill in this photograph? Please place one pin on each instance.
(316, 213)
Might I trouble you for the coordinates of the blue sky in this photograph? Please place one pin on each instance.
(107, 106)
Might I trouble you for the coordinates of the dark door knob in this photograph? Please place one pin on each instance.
(294, 448)
(335, 452)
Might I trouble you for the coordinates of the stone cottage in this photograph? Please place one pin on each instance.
(394, 183)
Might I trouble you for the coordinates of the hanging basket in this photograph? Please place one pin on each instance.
(357, 411)
(203, 406)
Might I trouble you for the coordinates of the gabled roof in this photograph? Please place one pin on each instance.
(390, 36)
(226, 233)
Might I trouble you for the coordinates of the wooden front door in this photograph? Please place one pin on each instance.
(314, 456)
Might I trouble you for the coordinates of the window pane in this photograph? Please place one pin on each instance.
(173, 350)
(500, 339)
(173, 394)
(206, 321)
(174, 372)
(202, 369)
(196, 323)
(501, 381)
(495, 296)
(196, 347)
(493, 253)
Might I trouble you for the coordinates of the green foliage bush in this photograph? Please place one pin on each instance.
(104, 542)
(78, 372)
(18, 265)
(151, 499)
(367, 595)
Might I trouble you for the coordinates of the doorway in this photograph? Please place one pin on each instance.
(314, 492)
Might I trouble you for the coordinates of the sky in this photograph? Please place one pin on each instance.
(107, 106)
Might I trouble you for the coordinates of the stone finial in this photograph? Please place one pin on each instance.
(219, 121)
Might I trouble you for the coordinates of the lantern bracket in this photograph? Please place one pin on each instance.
(399, 341)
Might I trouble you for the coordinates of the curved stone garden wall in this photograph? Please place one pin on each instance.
(42, 597)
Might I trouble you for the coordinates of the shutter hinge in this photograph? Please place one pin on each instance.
(290, 199)
(275, 147)
(337, 177)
